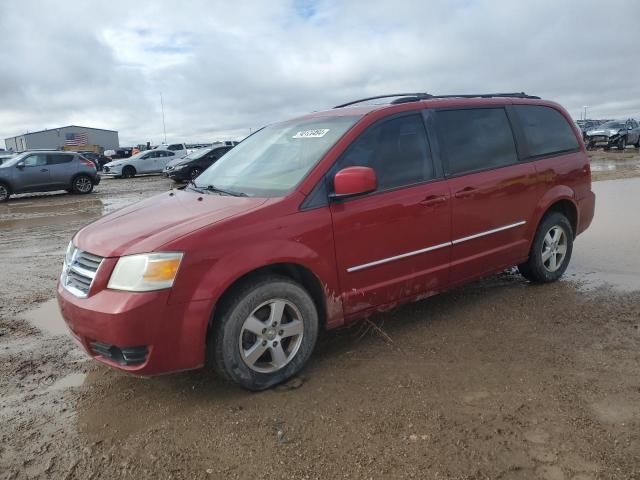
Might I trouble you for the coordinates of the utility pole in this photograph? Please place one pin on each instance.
(164, 127)
(585, 111)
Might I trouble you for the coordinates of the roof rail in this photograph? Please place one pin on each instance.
(489, 95)
(416, 97)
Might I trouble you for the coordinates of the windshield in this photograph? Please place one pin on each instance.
(196, 155)
(7, 162)
(275, 159)
(612, 126)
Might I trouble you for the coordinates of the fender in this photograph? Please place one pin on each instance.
(217, 275)
(551, 196)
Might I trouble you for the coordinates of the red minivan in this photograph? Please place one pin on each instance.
(321, 220)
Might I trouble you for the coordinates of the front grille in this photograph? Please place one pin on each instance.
(123, 355)
(77, 275)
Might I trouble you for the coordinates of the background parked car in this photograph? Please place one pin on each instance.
(4, 156)
(47, 171)
(179, 149)
(615, 133)
(149, 161)
(189, 167)
(123, 152)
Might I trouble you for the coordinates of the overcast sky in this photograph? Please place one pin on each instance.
(225, 67)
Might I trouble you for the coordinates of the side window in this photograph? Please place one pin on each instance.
(475, 139)
(58, 158)
(397, 149)
(545, 129)
(148, 156)
(35, 160)
(168, 154)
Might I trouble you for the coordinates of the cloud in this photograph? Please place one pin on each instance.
(224, 68)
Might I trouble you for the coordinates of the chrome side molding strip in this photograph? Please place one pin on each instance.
(434, 247)
(398, 257)
(488, 232)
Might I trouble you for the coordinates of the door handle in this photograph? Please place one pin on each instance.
(44, 170)
(433, 200)
(465, 192)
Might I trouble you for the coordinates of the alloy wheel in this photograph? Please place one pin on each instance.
(554, 248)
(271, 336)
(4, 193)
(83, 184)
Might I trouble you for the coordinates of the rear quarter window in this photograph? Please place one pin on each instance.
(546, 131)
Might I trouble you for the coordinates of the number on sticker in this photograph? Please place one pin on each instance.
(317, 133)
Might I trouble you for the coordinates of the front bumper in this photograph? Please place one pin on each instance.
(141, 333)
(177, 175)
(601, 140)
(112, 171)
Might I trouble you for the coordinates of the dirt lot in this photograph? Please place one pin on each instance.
(497, 380)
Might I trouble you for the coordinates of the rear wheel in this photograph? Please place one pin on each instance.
(82, 184)
(265, 333)
(128, 172)
(550, 251)
(5, 193)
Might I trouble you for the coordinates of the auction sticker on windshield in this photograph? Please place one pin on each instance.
(317, 133)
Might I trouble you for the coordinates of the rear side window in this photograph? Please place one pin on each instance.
(475, 139)
(58, 158)
(546, 130)
(397, 149)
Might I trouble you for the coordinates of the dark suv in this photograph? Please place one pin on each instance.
(43, 171)
(321, 220)
(189, 167)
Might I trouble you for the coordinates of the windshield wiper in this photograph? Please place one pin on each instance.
(213, 188)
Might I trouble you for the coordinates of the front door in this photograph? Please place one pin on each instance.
(393, 243)
(35, 174)
(493, 195)
(147, 162)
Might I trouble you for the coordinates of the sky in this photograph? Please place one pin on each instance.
(224, 68)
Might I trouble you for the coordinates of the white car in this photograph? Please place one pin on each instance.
(179, 149)
(148, 161)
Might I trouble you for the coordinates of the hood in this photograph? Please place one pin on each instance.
(175, 161)
(605, 131)
(148, 225)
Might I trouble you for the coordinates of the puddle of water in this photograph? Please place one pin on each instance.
(607, 253)
(47, 318)
(70, 381)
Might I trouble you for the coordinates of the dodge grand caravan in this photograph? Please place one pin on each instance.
(318, 221)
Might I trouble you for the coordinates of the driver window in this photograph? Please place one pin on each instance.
(397, 149)
(35, 160)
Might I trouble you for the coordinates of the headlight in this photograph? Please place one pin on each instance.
(68, 253)
(145, 272)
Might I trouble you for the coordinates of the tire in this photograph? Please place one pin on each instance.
(622, 144)
(195, 171)
(5, 192)
(128, 172)
(243, 326)
(82, 184)
(539, 269)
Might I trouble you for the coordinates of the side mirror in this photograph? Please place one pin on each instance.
(352, 181)
(20, 165)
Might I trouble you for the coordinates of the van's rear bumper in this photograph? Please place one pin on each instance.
(140, 333)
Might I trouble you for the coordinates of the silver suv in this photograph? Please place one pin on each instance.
(45, 171)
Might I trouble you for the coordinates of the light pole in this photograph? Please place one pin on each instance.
(585, 111)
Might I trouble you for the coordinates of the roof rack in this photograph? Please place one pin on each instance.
(416, 97)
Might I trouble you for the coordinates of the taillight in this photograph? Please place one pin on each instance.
(88, 163)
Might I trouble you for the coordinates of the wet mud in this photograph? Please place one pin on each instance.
(499, 379)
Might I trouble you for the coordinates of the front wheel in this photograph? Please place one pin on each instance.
(128, 172)
(264, 333)
(5, 193)
(82, 184)
(551, 250)
(622, 143)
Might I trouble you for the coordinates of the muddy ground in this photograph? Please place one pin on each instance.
(496, 380)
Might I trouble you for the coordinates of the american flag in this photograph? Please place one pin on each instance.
(76, 139)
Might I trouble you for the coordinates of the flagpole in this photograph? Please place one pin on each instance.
(164, 127)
